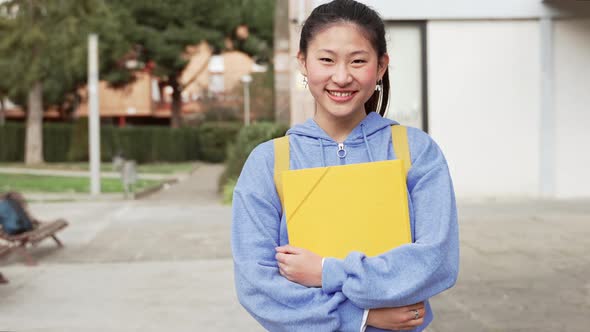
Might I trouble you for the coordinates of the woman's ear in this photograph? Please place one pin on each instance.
(301, 60)
(383, 65)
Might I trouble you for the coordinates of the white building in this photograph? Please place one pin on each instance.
(503, 86)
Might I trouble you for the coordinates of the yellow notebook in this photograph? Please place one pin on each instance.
(338, 209)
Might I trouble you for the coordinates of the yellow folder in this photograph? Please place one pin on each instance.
(338, 209)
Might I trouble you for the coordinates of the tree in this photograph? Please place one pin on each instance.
(162, 31)
(43, 55)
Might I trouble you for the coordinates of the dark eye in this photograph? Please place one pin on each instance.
(325, 60)
(359, 61)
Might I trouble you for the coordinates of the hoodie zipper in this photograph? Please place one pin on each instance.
(341, 151)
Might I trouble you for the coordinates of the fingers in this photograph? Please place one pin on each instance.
(281, 258)
(415, 306)
(287, 249)
(411, 315)
(412, 325)
(412, 322)
(400, 318)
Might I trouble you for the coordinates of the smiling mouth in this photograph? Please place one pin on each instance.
(341, 94)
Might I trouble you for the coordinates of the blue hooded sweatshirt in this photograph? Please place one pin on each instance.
(406, 275)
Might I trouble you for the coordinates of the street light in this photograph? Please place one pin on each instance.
(246, 79)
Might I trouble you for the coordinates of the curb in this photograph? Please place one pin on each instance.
(154, 189)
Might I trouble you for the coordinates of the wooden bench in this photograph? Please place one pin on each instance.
(19, 243)
(41, 230)
(4, 249)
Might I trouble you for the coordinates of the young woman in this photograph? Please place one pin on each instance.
(343, 57)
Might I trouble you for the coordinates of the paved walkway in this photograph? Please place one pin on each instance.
(164, 264)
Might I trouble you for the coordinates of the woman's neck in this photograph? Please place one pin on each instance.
(338, 128)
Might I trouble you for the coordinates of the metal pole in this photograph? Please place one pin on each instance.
(247, 103)
(547, 123)
(93, 115)
(246, 79)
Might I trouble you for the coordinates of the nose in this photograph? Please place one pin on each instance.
(341, 75)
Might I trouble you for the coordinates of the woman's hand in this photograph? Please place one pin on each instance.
(401, 318)
(300, 265)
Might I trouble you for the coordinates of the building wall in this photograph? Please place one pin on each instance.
(132, 100)
(506, 101)
(237, 64)
(572, 112)
(484, 104)
(302, 102)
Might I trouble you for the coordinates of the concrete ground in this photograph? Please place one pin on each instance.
(164, 264)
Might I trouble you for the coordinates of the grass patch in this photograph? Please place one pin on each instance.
(61, 184)
(228, 191)
(156, 168)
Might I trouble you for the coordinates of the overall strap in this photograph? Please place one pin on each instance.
(281, 145)
(399, 138)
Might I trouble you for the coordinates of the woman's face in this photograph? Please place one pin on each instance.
(342, 69)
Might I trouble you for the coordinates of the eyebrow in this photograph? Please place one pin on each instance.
(352, 53)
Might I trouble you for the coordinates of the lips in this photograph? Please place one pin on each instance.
(341, 96)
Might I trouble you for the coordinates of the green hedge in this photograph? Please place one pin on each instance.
(215, 139)
(248, 138)
(56, 138)
(69, 142)
(12, 141)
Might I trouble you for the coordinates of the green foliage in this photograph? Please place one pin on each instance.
(228, 190)
(69, 142)
(248, 138)
(12, 140)
(42, 183)
(56, 137)
(258, 16)
(78, 151)
(46, 41)
(151, 168)
(150, 144)
(215, 138)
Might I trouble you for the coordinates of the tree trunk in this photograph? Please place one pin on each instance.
(176, 116)
(34, 138)
(2, 116)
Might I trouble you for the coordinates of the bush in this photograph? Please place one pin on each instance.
(78, 149)
(214, 138)
(228, 190)
(12, 142)
(57, 138)
(69, 142)
(248, 138)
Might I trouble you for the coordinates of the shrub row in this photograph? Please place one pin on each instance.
(248, 138)
(69, 142)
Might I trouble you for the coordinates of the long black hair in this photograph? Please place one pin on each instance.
(350, 11)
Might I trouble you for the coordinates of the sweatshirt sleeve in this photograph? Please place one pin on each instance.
(275, 302)
(413, 272)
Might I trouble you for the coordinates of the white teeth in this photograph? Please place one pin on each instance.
(340, 94)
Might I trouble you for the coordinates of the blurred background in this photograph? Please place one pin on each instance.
(186, 89)
(502, 86)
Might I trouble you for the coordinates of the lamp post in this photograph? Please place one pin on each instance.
(246, 79)
(93, 115)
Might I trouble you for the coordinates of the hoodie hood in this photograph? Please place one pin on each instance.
(310, 134)
(371, 124)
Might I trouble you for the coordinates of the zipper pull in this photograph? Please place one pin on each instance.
(341, 152)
